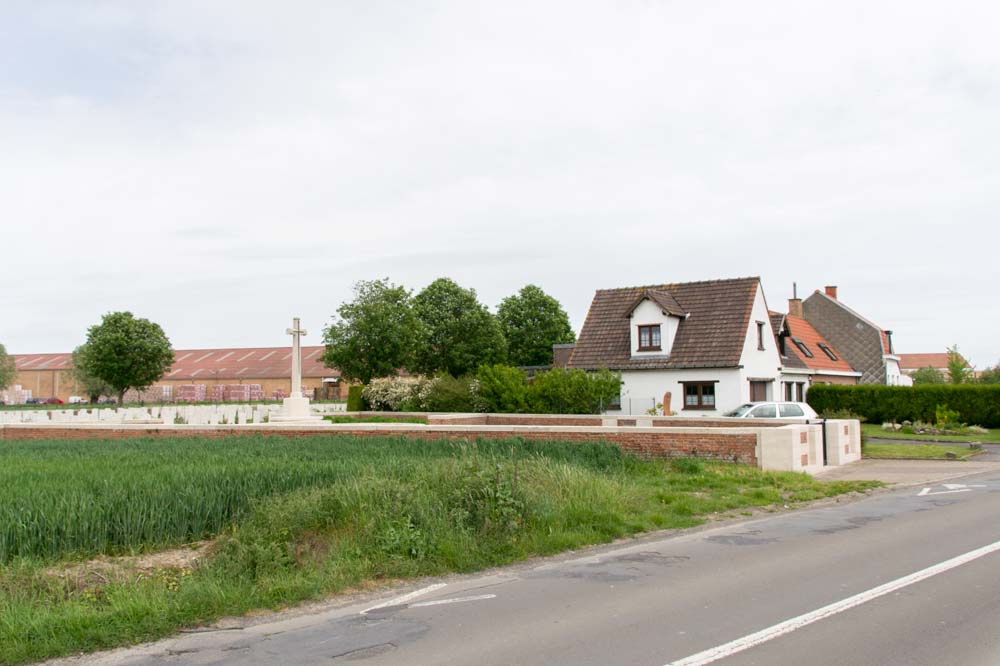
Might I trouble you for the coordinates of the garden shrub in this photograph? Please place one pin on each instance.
(975, 404)
(451, 394)
(502, 389)
(355, 399)
(562, 391)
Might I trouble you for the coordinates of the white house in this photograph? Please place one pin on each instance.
(697, 348)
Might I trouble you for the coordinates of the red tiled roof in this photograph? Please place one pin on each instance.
(810, 337)
(202, 364)
(917, 361)
(711, 335)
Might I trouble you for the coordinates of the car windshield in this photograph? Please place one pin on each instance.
(741, 410)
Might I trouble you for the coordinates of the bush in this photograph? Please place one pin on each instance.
(975, 404)
(563, 391)
(355, 399)
(395, 394)
(451, 394)
(502, 389)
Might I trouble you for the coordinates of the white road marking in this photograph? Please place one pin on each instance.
(439, 602)
(951, 488)
(788, 626)
(398, 601)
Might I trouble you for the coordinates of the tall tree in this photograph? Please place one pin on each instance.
(927, 375)
(959, 371)
(91, 386)
(375, 334)
(532, 321)
(457, 332)
(7, 370)
(126, 352)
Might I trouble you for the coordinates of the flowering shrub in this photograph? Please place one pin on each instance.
(398, 394)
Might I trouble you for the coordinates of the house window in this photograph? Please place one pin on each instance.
(699, 395)
(827, 351)
(760, 335)
(758, 390)
(800, 390)
(802, 348)
(789, 392)
(649, 337)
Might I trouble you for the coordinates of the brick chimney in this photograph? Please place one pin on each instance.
(831, 291)
(795, 307)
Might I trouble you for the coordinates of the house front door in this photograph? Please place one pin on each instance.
(758, 391)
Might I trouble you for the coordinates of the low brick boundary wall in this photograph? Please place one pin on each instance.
(730, 444)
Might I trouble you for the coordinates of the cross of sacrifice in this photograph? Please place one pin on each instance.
(296, 331)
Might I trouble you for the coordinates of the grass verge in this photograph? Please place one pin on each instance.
(294, 520)
(882, 450)
(376, 419)
(873, 430)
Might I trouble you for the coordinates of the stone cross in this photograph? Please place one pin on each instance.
(296, 331)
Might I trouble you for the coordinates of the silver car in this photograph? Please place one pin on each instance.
(773, 410)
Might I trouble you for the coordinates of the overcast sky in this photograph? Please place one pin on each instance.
(219, 167)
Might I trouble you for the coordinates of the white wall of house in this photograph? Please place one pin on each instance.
(893, 375)
(642, 389)
(757, 363)
(649, 313)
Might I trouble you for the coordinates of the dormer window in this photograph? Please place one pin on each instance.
(802, 348)
(827, 351)
(649, 338)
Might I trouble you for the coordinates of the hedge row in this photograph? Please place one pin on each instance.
(976, 405)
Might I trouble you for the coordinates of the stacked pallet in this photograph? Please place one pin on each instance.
(190, 393)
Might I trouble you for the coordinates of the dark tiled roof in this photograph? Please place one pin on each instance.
(668, 304)
(810, 337)
(710, 336)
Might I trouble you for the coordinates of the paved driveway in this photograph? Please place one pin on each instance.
(907, 472)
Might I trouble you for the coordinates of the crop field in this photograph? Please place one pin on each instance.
(287, 520)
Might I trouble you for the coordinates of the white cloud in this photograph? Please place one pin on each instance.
(197, 162)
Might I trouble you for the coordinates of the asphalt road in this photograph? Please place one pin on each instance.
(805, 584)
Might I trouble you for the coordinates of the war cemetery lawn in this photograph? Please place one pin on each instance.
(251, 522)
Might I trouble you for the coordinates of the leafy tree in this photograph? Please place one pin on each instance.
(457, 332)
(7, 370)
(990, 375)
(125, 352)
(91, 386)
(375, 334)
(927, 375)
(532, 321)
(959, 371)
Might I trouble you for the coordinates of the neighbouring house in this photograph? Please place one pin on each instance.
(910, 363)
(807, 357)
(864, 345)
(699, 348)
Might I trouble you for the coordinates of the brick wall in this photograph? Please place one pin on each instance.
(730, 447)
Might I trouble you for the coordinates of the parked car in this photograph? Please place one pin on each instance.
(76, 400)
(51, 401)
(773, 410)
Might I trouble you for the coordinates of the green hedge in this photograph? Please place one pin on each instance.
(976, 405)
(355, 401)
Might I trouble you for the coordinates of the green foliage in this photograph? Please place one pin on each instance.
(532, 321)
(975, 404)
(375, 334)
(125, 352)
(90, 386)
(990, 375)
(928, 375)
(355, 398)
(7, 370)
(944, 417)
(959, 371)
(502, 389)
(457, 333)
(451, 394)
(562, 391)
(843, 414)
